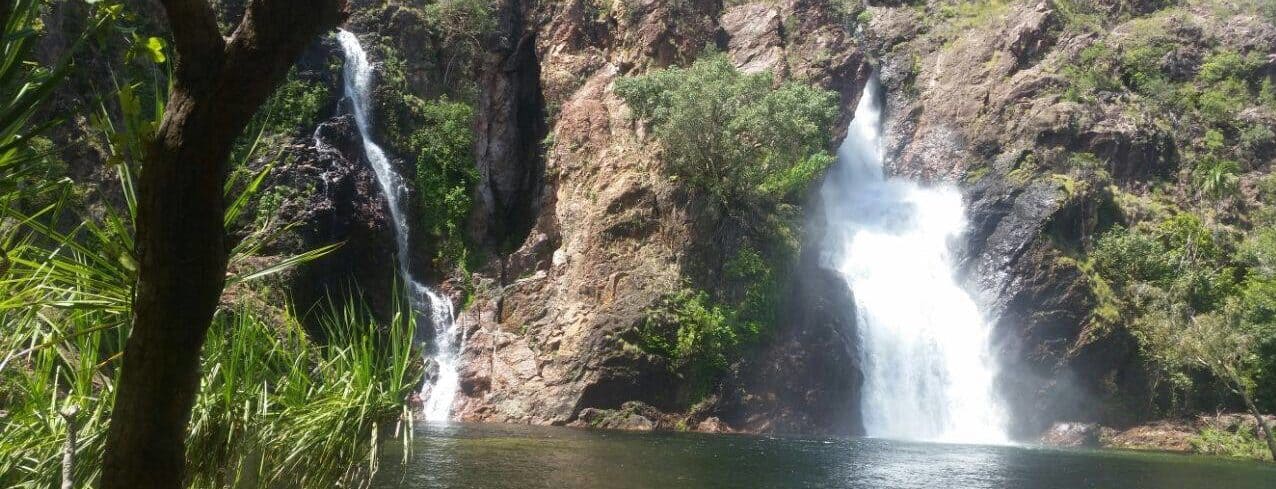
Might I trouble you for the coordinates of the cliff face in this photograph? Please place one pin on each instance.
(583, 233)
(986, 98)
(546, 332)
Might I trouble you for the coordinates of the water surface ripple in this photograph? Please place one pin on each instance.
(524, 457)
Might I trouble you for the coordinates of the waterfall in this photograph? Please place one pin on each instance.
(925, 348)
(438, 395)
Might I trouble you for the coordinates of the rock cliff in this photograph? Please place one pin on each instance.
(546, 333)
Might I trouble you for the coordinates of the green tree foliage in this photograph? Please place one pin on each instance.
(445, 174)
(294, 106)
(460, 26)
(1197, 302)
(437, 134)
(753, 146)
(703, 333)
(733, 135)
(1258, 308)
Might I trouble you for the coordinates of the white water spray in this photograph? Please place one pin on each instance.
(358, 89)
(924, 345)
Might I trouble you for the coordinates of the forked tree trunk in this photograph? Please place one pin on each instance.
(218, 85)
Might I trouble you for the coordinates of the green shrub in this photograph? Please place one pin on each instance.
(1258, 294)
(1094, 71)
(1217, 178)
(1188, 238)
(1123, 257)
(698, 337)
(437, 135)
(296, 104)
(1227, 64)
(1080, 15)
(1180, 260)
(445, 174)
(1267, 94)
(293, 108)
(733, 135)
(1141, 65)
(1256, 137)
(461, 25)
(1224, 85)
(1219, 103)
(761, 302)
(695, 330)
(1258, 308)
(865, 17)
(1241, 444)
(1258, 252)
(274, 406)
(966, 14)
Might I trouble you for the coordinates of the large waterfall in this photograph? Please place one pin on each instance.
(439, 394)
(924, 345)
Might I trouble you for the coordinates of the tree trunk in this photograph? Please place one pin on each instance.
(1263, 429)
(68, 449)
(218, 86)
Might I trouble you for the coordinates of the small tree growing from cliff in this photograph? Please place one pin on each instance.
(1220, 344)
(737, 136)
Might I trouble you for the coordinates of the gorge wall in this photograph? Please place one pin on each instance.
(548, 331)
(576, 231)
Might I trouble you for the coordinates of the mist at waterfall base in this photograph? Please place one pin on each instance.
(925, 348)
(425, 303)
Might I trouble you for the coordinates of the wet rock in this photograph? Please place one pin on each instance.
(713, 425)
(632, 416)
(608, 420)
(1030, 33)
(510, 126)
(1072, 435)
(982, 108)
(331, 196)
(808, 379)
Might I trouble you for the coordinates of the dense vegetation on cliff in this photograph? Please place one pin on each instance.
(753, 149)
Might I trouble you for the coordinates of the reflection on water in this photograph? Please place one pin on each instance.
(512, 456)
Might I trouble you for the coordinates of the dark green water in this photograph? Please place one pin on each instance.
(522, 457)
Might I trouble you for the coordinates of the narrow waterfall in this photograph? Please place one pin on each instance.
(924, 345)
(439, 394)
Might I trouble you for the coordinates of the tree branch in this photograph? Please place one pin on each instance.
(196, 40)
(266, 43)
